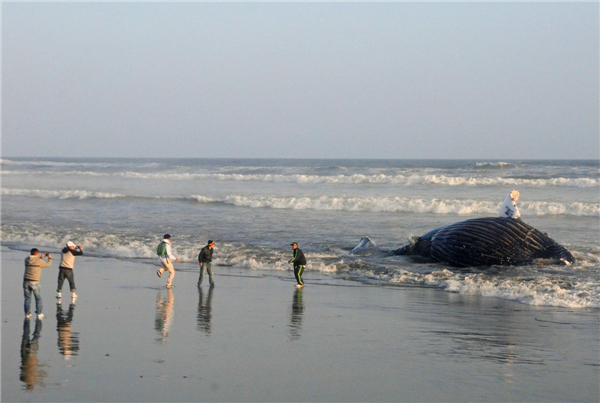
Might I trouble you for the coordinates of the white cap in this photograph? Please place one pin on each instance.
(70, 243)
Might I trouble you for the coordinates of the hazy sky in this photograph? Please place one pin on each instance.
(301, 80)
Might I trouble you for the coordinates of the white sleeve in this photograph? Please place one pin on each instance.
(169, 254)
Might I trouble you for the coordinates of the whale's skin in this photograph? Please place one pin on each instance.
(488, 241)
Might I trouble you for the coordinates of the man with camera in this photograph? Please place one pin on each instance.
(31, 281)
(65, 270)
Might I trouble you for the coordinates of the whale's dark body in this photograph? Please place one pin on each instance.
(487, 241)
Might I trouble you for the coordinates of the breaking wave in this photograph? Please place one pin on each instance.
(327, 203)
(558, 291)
(355, 179)
(496, 165)
(398, 204)
(60, 194)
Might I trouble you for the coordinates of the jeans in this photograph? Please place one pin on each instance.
(66, 274)
(206, 266)
(28, 288)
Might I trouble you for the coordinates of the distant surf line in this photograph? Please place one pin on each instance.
(355, 179)
(329, 203)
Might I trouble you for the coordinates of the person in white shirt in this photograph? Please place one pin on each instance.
(166, 259)
(509, 208)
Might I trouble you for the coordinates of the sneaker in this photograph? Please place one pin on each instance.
(299, 285)
(158, 273)
(169, 285)
(73, 295)
(40, 316)
(59, 295)
(28, 316)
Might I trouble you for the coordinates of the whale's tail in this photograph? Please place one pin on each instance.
(364, 243)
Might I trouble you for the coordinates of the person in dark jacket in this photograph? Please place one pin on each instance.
(65, 270)
(299, 262)
(205, 260)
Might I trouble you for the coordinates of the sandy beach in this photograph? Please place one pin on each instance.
(371, 134)
(255, 337)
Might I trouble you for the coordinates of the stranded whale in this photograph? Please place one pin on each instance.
(487, 241)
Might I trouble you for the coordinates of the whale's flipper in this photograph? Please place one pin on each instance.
(364, 243)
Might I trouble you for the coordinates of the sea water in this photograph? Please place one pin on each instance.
(254, 209)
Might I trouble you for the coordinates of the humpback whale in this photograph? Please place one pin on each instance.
(487, 241)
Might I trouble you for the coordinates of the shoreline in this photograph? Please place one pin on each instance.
(255, 337)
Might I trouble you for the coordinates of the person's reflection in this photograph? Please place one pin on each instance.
(164, 315)
(68, 342)
(205, 310)
(30, 369)
(297, 311)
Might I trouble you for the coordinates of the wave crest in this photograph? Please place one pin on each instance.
(355, 179)
(60, 194)
(326, 203)
(541, 290)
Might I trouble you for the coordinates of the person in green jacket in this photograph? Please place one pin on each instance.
(299, 262)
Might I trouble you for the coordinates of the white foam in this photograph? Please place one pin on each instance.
(107, 245)
(325, 203)
(538, 290)
(398, 204)
(499, 164)
(60, 194)
(355, 179)
(78, 164)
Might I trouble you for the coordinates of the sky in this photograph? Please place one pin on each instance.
(301, 80)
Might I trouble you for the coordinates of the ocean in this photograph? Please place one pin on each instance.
(254, 209)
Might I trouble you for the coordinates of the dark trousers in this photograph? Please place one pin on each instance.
(206, 266)
(65, 274)
(298, 274)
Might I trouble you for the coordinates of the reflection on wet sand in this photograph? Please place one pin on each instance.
(68, 342)
(205, 310)
(164, 314)
(30, 368)
(297, 311)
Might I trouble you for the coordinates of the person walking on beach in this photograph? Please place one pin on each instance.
(205, 261)
(65, 270)
(166, 258)
(299, 262)
(31, 281)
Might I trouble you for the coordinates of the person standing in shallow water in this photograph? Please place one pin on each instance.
(299, 262)
(166, 257)
(205, 261)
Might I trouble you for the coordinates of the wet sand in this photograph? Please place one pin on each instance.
(255, 337)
